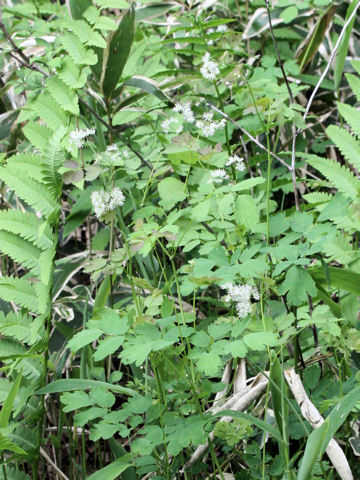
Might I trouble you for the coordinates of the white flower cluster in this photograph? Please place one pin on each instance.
(208, 126)
(185, 110)
(210, 69)
(241, 294)
(239, 162)
(171, 124)
(112, 148)
(78, 137)
(217, 176)
(174, 124)
(107, 201)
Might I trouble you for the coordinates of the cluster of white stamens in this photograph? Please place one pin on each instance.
(239, 162)
(208, 126)
(209, 69)
(77, 137)
(241, 295)
(217, 176)
(171, 125)
(185, 110)
(104, 202)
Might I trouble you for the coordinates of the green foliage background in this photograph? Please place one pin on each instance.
(119, 348)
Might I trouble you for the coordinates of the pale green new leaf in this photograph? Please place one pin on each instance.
(340, 177)
(63, 95)
(19, 291)
(83, 338)
(346, 143)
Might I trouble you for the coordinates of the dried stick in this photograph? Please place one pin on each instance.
(253, 139)
(312, 415)
(241, 403)
(240, 376)
(220, 396)
(291, 101)
(53, 465)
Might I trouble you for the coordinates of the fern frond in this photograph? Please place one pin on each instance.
(28, 226)
(71, 74)
(20, 250)
(79, 54)
(346, 143)
(52, 161)
(37, 134)
(343, 212)
(49, 111)
(32, 192)
(11, 348)
(16, 326)
(28, 163)
(339, 177)
(351, 115)
(31, 368)
(19, 291)
(85, 33)
(63, 95)
(354, 83)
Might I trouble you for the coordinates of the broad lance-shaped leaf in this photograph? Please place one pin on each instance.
(344, 46)
(116, 53)
(112, 471)
(78, 7)
(147, 85)
(320, 438)
(310, 46)
(337, 278)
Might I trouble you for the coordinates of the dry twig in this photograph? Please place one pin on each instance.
(312, 415)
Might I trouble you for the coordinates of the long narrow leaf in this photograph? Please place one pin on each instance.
(112, 471)
(9, 402)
